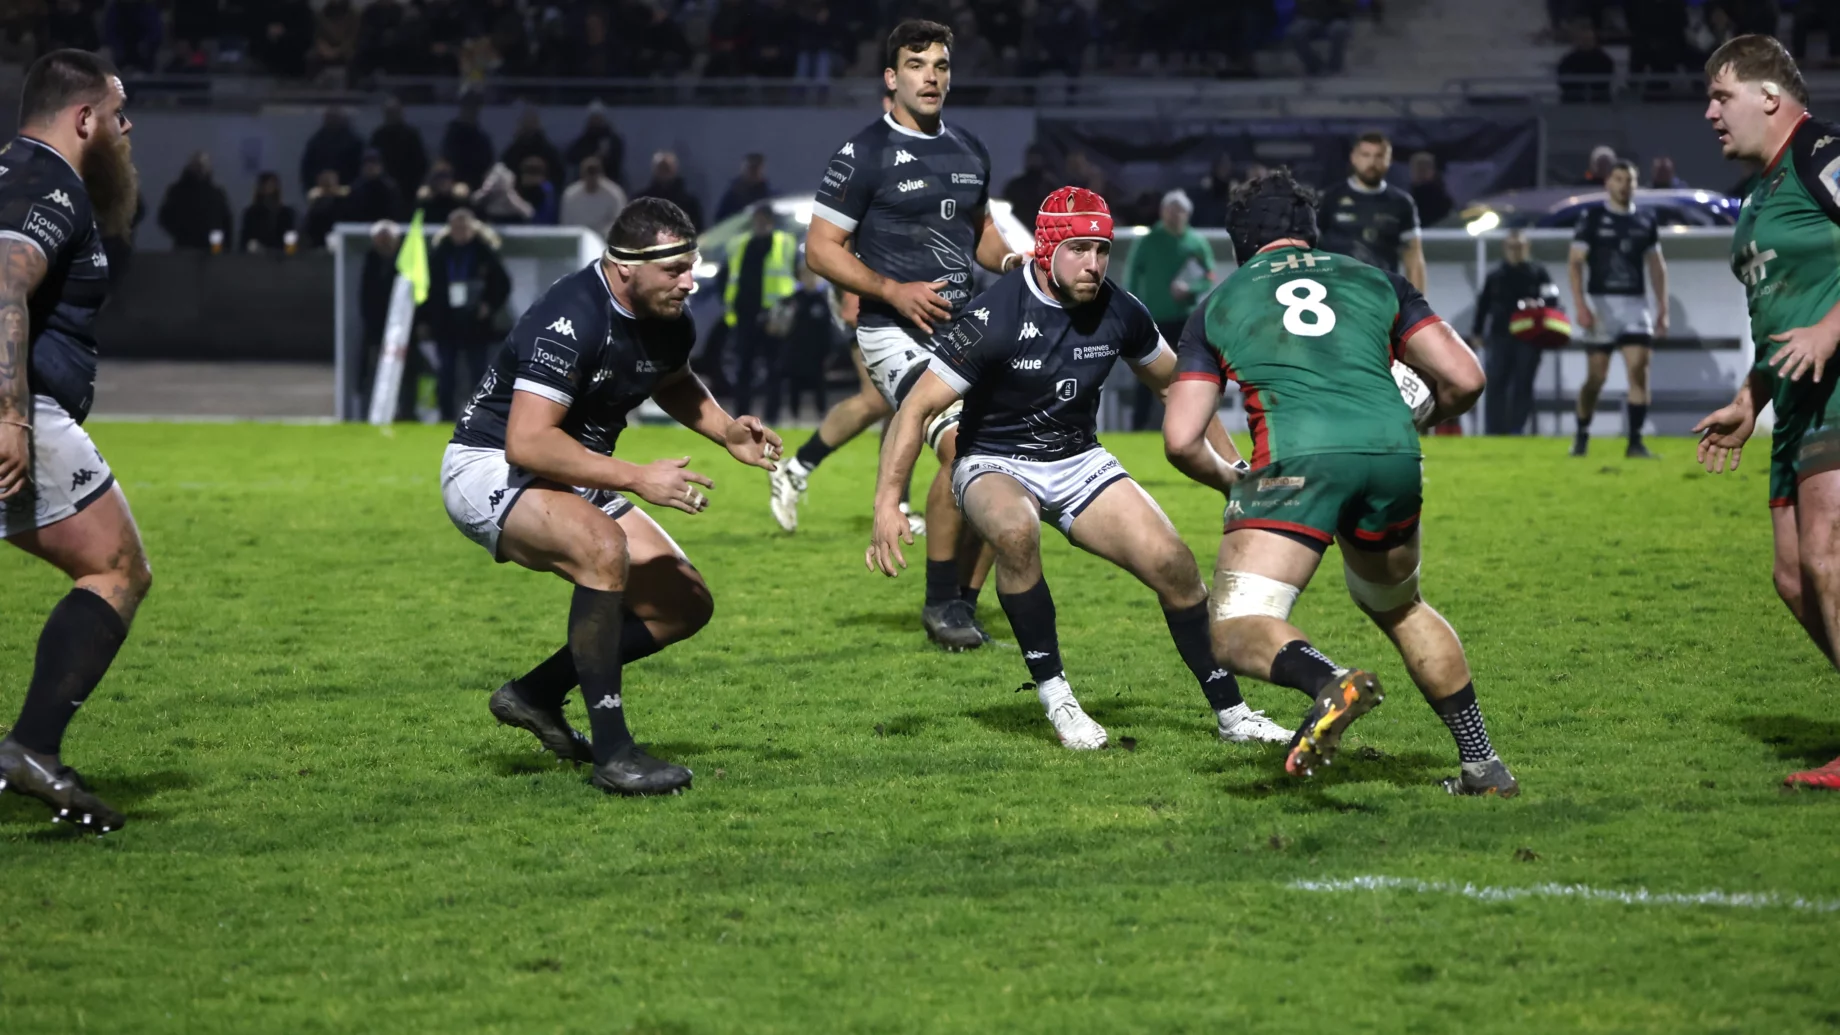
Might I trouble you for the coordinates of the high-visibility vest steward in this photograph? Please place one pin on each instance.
(777, 280)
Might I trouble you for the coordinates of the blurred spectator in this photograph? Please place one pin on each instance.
(467, 289)
(374, 196)
(668, 183)
(1657, 36)
(336, 146)
(1754, 16)
(325, 207)
(498, 199)
(381, 42)
(1512, 364)
(1321, 20)
(1062, 32)
(534, 187)
(1028, 189)
(502, 25)
(1213, 192)
(592, 202)
(282, 36)
(132, 30)
(465, 145)
(1084, 172)
(441, 194)
(1603, 159)
(972, 54)
(809, 345)
(195, 207)
(1169, 269)
(775, 34)
(1661, 173)
(196, 22)
(405, 159)
(1810, 16)
(375, 286)
(335, 40)
(746, 189)
(762, 270)
(1585, 62)
(268, 220)
(442, 35)
(531, 142)
(729, 39)
(1428, 190)
(599, 139)
(815, 41)
(662, 49)
(71, 24)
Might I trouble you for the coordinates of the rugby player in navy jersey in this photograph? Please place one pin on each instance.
(531, 477)
(900, 216)
(1028, 358)
(66, 180)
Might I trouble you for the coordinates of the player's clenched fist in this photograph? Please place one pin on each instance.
(670, 483)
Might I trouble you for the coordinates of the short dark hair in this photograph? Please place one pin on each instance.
(60, 79)
(1635, 175)
(641, 222)
(916, 35)
(1372, 136)
(1758, 59)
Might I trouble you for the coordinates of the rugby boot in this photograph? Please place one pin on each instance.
(1241, 725)
(953, 625)
(916, 523)
(1826, 778)
(1076, 729)
(632, 771)
(57, 785)
(1639, 451)
(1353, 694)
(547, 725)
(1483, 779)
(787, 482)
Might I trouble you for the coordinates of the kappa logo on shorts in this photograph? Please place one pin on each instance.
(497, 497)
(1268, 484)
(81, 478)
(555, 355)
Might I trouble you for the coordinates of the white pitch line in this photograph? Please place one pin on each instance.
(1636, 897)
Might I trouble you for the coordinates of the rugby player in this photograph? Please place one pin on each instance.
(1614, 243)
(1310, 336)
(1783, 251)
(66, 181)
(901, 215)
(531, 477)
(1369, 218)
(1029, 358)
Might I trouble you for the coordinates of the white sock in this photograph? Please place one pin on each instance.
(1054, 692)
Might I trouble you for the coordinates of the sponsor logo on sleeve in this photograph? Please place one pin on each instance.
(48, 225)
(960, 338)
(967, 180)
(837, 176)
(555, 356)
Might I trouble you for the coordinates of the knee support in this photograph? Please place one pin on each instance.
(946, 421)
(1379, 597)
(1241, 594)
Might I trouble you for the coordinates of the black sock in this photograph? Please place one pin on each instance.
(1464, 717)
(1031, 618)
(1189, 628)
(546, 685)
(969, 594)
(1301, 667)
(941, 582)
(79, 641)
(1584, 423)
(595, 618)
(1638, 415)
(813, 452)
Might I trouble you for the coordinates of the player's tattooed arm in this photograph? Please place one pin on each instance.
(22, 266)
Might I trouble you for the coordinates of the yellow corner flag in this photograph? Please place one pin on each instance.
(412, 259)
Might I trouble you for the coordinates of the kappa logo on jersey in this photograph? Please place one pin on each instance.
(848, 150)
(562, 326)
(1029, 331)
(555, 355)
(61, 198)
(1025, 364)
(907, 185)
(983, 315)
(1823, 142)
(902, 158)
(48, 225)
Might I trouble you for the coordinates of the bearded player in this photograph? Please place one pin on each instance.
(65, 181)
(1783, 250)
(901, 215)
(1310, 336)
(1029, 358)
(530, 476)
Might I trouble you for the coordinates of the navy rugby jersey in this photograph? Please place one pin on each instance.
(1370, 225)
(1031, 371)
(576, 345)
(43, 202)
(1618, 243)
(915, 204)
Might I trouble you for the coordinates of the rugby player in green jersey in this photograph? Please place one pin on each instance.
(1310, 337)
(1786, 251)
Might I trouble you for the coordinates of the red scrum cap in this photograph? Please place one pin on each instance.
(1069, 214)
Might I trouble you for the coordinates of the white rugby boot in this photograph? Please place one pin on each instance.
(1077, 730)
(1241, 725)
(787, 481)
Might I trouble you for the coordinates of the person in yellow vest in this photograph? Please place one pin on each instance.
(762, 272)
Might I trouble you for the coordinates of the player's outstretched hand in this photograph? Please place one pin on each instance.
(1722, 436)
(752, 442)
(920, 303)
(15, 458)
(670, 483)
(1804, 350)
(891, 530)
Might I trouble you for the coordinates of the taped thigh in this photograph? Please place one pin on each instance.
(1242, 594)
(1380, 597)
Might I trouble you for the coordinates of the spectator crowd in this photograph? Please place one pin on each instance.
(1669, 38)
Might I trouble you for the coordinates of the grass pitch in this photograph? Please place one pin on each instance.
(328, 833)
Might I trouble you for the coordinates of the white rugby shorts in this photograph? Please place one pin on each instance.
(895, 356)
(1619, 317)
(68, 472)
(1065, 488)
(479, 488)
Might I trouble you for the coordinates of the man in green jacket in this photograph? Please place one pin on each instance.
(1169, 270)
